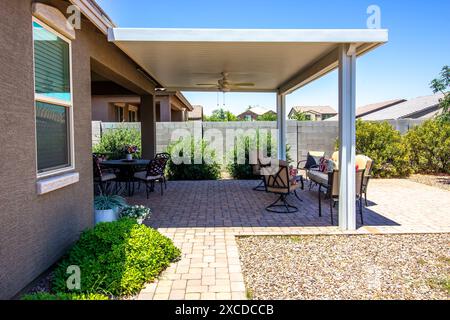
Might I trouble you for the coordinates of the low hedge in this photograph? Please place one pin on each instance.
(187, 148)
(429, 146)
(115, 259)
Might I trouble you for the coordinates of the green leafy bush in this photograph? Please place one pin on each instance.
(113, 141)
(385, 146)
(188, 169)
(64, 296)
(244, 171)
(116, 258)
(429, 146)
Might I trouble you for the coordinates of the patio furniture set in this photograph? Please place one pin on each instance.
(125, 173)
(320, 172)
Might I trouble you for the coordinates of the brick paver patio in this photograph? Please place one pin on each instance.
(204, 217)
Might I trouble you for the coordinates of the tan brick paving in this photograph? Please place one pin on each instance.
(204, 217)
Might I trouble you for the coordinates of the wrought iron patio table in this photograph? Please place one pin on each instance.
(126, 169)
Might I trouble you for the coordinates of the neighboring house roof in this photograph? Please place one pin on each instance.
(371, 108)
(196, 113)
(313, 109)
(257, 110)
(421, 107)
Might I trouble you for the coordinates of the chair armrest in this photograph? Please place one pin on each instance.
(298, 164)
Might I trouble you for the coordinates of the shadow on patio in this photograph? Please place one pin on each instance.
(233, 203)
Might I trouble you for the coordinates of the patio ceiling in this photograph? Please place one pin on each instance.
(276, 60)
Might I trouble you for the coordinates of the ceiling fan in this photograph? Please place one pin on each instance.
(225, 85)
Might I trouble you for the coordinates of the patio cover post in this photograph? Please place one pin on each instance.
(347, 140)
(281, 125)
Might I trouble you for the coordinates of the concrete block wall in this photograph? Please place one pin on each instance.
(302, 136)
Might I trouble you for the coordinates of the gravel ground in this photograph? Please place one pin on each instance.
(412, 266)
(439, 181)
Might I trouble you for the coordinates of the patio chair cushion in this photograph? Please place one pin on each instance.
(143, 176)
(107, 177)
(313, 159)
(318, 177)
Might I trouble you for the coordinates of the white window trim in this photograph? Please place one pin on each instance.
(55, 101)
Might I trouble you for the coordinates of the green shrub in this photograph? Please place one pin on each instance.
(429, 146)
(64, 296)
(114, 140)
(244, 171)
(117, 258)
(385, 146)
(191, 171)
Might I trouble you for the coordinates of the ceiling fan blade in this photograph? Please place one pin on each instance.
(207, 84)
(244, 84)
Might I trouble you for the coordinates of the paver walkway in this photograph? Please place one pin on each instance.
(204, 217)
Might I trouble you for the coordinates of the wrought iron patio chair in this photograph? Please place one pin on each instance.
(163, 157)
(154, 173)
(280, 183)
(103, 178)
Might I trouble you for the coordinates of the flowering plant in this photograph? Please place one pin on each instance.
(130, 149)
(136, 212)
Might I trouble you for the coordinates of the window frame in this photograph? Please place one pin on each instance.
(54, 101)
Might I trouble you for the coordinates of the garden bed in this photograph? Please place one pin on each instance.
(410, 266)
(441, 181)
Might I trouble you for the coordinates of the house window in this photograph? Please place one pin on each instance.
(53, 100)
(248, 117)
(132, 116)
(119, 114)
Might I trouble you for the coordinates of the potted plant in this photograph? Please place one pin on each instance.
(129, 151)
(107, 207)
(140, 213)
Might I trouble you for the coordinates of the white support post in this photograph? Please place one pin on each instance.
(281, 125)
(347, 140)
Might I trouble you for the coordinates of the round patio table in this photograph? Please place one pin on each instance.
(126, 168)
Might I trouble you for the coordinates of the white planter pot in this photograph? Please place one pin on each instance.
(106, 215)
(129, 157)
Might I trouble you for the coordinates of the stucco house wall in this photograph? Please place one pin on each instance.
(35, 230)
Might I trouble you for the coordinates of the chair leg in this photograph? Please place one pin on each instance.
(162, 187)
(146, 188)
(165, 182)
(281, 202)
(320, 202)
(297, 196)
(331, 210)
(361, 209)
(260, 186)
(365, 198)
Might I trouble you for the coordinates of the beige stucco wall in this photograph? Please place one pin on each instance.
(36, 230)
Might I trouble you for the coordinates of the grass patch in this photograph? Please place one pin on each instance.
(440, 283)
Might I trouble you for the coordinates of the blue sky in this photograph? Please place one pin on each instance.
(419, 41)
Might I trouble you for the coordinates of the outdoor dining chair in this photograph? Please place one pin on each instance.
(333, 192)
(153, 173)
(280, 184)
(163, 158)
(103, 177)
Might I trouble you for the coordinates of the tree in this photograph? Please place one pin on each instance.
(221, 115)
(442, 84)
(268, 116)
(300, 116)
